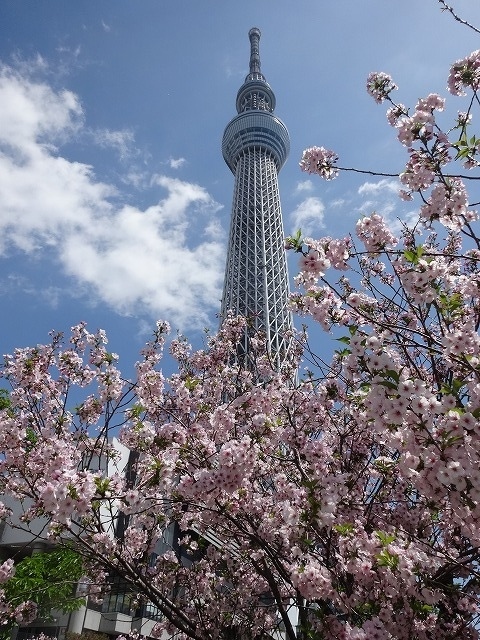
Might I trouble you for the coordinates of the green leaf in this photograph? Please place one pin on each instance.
(389, 385)
(414, 255)
(391, 373)
(422, 609)
(295, 242)
(344, 529)
(49, 579)
(387, 559)
(409, 255)
(5, 402)
(136, 410)
(385, 538)
(191, 383)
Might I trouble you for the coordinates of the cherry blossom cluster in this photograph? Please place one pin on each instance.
(314, 263)
(374, 233)
(7, 570)
(11, 614)
(320, 161)
(433, 151)
(465, 74)
(422, 280)
(395, 113)
(380, 85)
(430, 149)
(321, 303)
(331, 252)
(448, 203)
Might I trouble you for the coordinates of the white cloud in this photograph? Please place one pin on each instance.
(305, 185)
(382, 197)
(29, 66)
(379, 188)
(232, 68)
(137, 178)
(308, 216)
(32, 115)
(176, 163)
(121, 141)
(138, 261)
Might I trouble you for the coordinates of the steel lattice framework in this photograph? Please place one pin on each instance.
(255, 147)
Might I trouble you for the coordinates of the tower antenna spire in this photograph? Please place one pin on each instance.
(255, 34)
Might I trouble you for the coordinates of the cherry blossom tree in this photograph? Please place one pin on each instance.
(344, 505)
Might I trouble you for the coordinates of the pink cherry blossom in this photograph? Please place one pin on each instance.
(374, 233)
(380, 85)
(321, 161)
(7, 570)
(465, 73)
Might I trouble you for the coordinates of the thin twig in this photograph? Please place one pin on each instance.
(371, 172)
(368, 172)
(446, 7)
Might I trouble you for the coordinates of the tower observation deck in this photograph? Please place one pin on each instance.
(255, 146)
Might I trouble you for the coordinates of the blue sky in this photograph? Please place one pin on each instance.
(114, 197)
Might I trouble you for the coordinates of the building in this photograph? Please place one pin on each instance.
(255, 147)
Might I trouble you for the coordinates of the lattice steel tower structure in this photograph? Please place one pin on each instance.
(255, 146)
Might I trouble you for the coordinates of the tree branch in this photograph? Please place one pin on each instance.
(446, 7)
(396, 175)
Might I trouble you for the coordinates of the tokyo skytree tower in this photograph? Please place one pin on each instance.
(255, 146)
